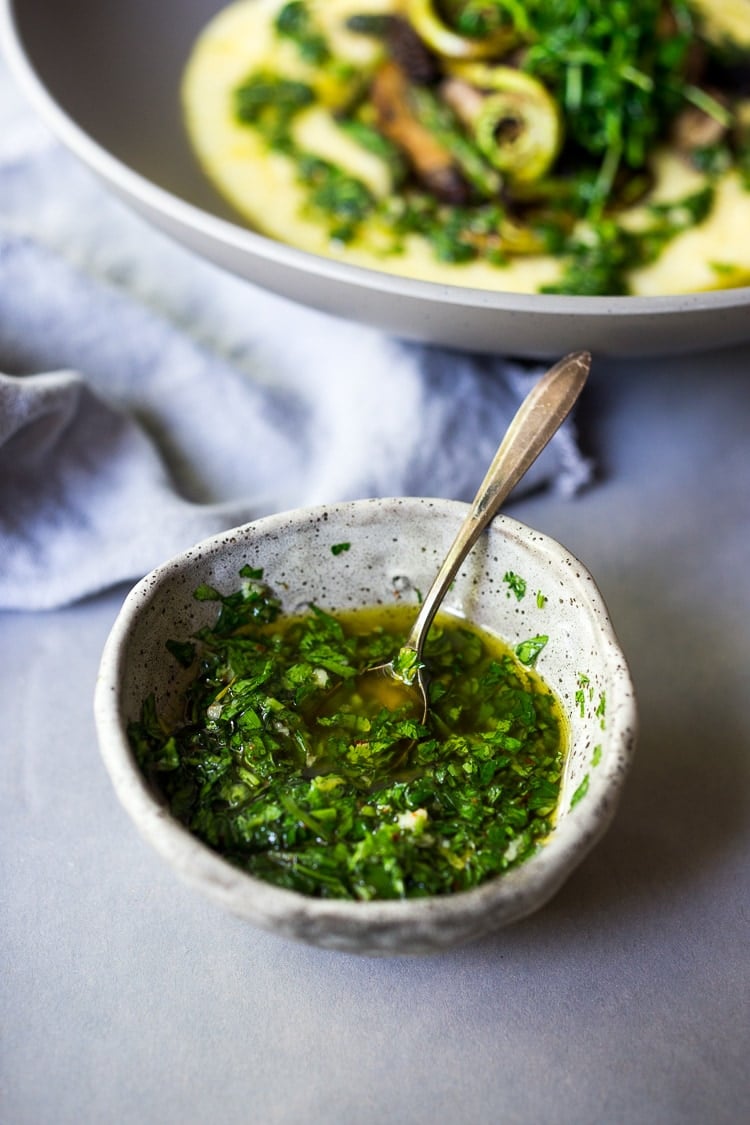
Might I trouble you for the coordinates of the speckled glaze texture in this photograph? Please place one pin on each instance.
(395, 548)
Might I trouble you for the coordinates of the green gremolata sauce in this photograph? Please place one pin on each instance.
(362, 803)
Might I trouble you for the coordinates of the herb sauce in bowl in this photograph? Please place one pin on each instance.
(325, 804)
(522, 783)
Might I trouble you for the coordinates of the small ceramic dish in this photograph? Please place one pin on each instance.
(394, 549)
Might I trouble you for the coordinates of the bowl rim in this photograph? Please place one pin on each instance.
(233, 235)
(513, 894)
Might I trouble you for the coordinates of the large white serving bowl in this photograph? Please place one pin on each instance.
(395, 548)
(105, 76)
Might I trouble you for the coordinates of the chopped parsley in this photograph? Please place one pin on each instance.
(269, 103)
(362, 803)
(516, 585)
(529, 650)
(617, 77)
(295, 22)
(580, 792)
(342, 198)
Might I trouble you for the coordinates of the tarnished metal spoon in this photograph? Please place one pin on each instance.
(401, 682)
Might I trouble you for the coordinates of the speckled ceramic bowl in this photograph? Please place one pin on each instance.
(395, 549)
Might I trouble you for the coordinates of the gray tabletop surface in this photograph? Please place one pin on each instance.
(127, 998)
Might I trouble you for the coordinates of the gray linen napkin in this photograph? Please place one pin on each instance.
(148, 399)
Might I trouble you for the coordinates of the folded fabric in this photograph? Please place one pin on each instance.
(85, 500)
(149, 399)
(150, 442)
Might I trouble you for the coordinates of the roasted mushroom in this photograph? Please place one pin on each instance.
(693, 128)
(431, 161)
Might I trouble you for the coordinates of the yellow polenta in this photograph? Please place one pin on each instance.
(265, 188)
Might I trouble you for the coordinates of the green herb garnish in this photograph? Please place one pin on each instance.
(528, 651)
(580, 792)
(516, 585)
(259, 770)
(294, 22)
(616, 75)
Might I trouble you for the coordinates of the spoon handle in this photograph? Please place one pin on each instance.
(538, 418)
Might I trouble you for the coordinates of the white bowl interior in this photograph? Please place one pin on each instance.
(395, 549)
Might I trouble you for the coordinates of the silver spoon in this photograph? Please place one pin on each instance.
(401, 682)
